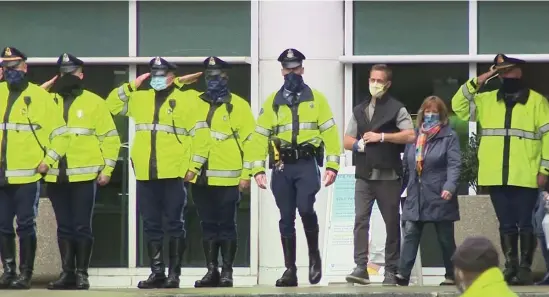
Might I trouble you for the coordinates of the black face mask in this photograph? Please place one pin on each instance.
(511, 85)
(66, 84)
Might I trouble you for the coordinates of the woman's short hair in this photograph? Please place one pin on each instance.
(436, 102)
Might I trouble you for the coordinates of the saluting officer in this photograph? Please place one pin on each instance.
(296, 122)
(33, 138)
(90, 160)
(161, 155)
(216, 190)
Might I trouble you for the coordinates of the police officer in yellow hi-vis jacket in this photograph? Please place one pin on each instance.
(33, 138)
(513, 155)
(161, 157)
(216, 190)
(295, 124)
(90, 160)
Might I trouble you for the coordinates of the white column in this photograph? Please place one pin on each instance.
(315, 28)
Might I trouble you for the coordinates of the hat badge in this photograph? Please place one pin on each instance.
(7, 52)
(290, 54)
(212, 61)
(65, 58)
(499, 59)
(157, 61)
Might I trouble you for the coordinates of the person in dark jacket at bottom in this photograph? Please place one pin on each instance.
(433, 164)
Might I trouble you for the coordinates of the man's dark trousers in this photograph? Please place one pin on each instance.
(19, 201)
(387, 194)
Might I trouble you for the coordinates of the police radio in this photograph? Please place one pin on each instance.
(28, 101)
(172, 107)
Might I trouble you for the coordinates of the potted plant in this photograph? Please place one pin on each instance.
(469, 164)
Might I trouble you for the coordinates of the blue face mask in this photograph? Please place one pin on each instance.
(431, 119)
(216, 87)
(13, 76)
(159, 83)
(293, 82)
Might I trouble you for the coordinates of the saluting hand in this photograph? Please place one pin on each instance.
(329, 177)
(43, 168)
(47, 85)
(189, 176)
(103, 179)
(189, 78)
(243, 185)
(261, 180)
(446, 195)
(140, 79)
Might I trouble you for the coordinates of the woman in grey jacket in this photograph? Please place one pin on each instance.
(433, 167)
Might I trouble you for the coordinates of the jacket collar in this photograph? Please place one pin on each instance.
(491, 278)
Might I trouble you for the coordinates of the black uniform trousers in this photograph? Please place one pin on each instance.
(21, 201)
(162, 198)
(217, 207)
(295, 187)
(514, 207)
(73, 204)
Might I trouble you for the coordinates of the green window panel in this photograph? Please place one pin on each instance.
(49, 28)
(194, 28)
(411, 27)
(513, 27)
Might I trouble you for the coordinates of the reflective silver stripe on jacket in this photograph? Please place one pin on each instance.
(263, 131)
(124, 98)
(326, 125)
(333, 159)
(77, 171)
(199, 159)
(247, 165)
(20, 172)
(54, 155)
(81, 131)
(59, 131)
(471, 98)
(220, 136)
(198, 125)
(111, 163)
(256, 164)
(302, 126)
(108, 134)
(160, 127)
(511, 132)
(223, 173)
(544, 163)
(544, 129)
(19, 127)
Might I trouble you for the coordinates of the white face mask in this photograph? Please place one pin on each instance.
(377, 89)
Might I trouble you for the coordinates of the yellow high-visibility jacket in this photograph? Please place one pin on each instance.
(94, 142)
(231, 125)
(514, 146)
(316, 126)
(163, 145)
(20, 150)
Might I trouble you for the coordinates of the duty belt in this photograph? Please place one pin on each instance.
(289, 156)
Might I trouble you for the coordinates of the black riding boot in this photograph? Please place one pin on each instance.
(315, 264)
(527, 248)
(67, 279)
(212, 277)
(158, 276)
(83, 256)
(27, 252)
(228, 253)
(509, 245)
(176, 249)
(7, 254)
(289, 277)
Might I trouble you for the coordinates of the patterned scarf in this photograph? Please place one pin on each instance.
(421, 144)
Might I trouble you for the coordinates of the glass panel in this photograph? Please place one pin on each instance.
(82, 28)
(194, 256)
(413, 82)
(110, 223)
(528, 18)
(194, 28)
(411, 27)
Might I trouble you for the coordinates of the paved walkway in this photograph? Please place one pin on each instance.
(317, 291)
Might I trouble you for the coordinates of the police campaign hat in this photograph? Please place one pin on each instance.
(501, 61)
(476, 254)
(215, 66)
(160, 66)
(291, 58)
(11, 57)
(68, 63)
